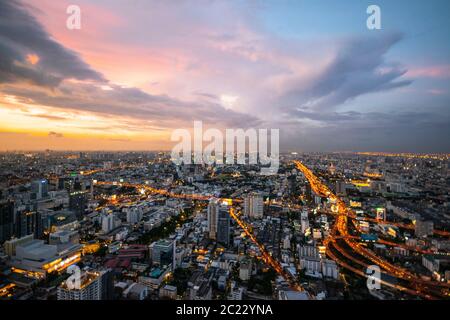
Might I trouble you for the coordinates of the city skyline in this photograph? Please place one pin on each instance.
(134, 72)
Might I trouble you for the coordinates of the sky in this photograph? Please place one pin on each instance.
(139, 69)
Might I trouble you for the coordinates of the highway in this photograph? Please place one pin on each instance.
(353, 249)
(267, 258)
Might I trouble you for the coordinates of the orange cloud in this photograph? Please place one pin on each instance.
(32, 58)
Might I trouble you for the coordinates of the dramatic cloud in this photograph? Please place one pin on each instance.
(138, 70)
(29, 54)
(358, 68)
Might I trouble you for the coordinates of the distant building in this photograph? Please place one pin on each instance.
(25, 222)
(93, 285)
(199, 287)
(162, 253)
(310, 264)
(136, 291)
(213, 208)
(168, 291)
(245, 270)
(39, 189)
(236, 293)
(64, 237)
(341, 188)
(254, 206)
(223, 225)
(6, 220)
(10, 245)
(424, 228)
(308, 251)
(330, 269)
(36, 259)
(134, 215)
(78, 203)
(155, 278)
(292, 295)
(107, 220)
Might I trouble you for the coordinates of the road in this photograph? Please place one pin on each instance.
(352, 249)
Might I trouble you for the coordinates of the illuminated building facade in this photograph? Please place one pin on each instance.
(213, 207)
(254, 206)
(89, 288)
(36, 259)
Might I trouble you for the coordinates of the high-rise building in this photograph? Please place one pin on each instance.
(162, 252)
(6, 220)
(42, 223)
(78, 203)
(107, 222)
(341, 188)
(91, 285)
(213, 208)
(39, 188)
(134, 215)
(223, 225)
(25, 223)
(254, 206)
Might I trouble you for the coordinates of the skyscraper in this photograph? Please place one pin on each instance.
(39, 188)
(223, 225)
(213, 207)
(107, 220)
(91, 285)
(6, 220)
(163, 252)
(25, 223)
(254, 206)
(78, 202)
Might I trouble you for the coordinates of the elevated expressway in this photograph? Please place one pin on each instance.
(351, 255)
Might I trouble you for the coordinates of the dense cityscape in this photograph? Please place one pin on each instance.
(135, 226)
(226, 158)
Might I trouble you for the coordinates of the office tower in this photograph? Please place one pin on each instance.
(340, 188)
(254, 206)
(213, 207)
(107, 222)
(78, 203)
(42, 224)
(39, 188)
(107, 284)
(6, 220)
(92, 285)
(65, 183)
(223, 225)
(162, 252)
(77, 185)
(134, 215)
(25, 223)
